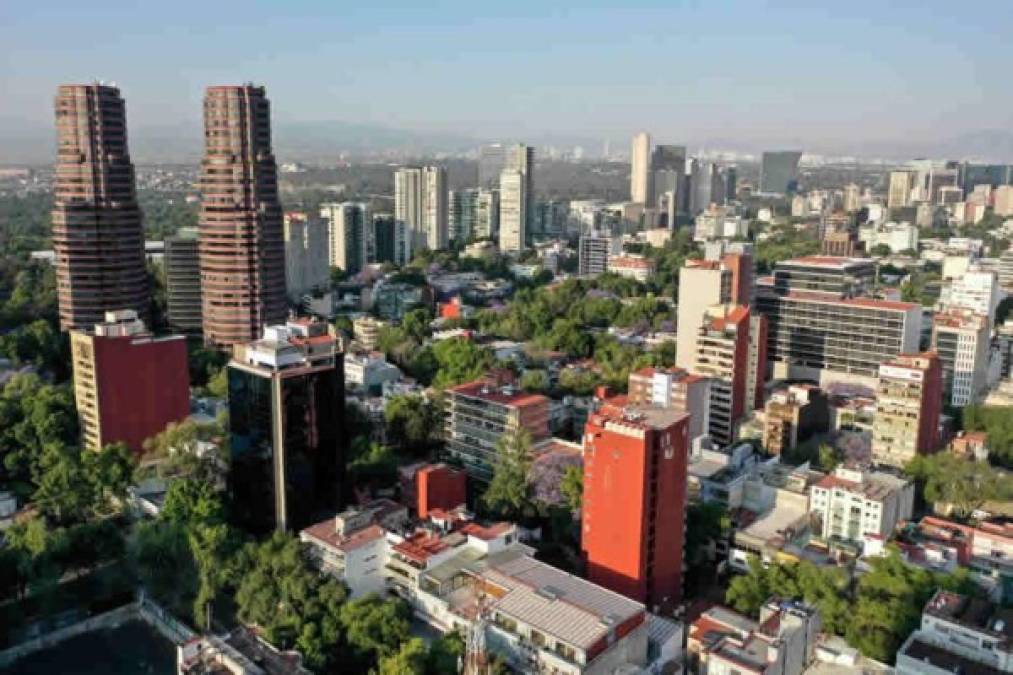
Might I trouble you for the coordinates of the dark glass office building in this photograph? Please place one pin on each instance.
(286, 412)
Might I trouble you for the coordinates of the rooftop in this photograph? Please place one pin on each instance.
(615, 411)
(925, 652)
(827, 261)
(487, 390)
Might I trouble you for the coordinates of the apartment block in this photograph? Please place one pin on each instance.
(632, 267)
(128, 384)
(420, 206)
(908, 404)
(962, 339)
(513, 211)
(182, 282)
(853, 502)
(594, 250)
(98, 236)
(480, 412)
(793, 415)
(351, 242)
(474, 215)
(673, 388)
(306, 263)
(635, 455)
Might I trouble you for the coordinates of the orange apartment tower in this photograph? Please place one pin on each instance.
(242, 250)
(98, 238)
(634, 500)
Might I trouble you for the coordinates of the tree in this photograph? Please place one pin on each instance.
(705, 522)
(509, 493)
(218, 385)
(830, 457)
(997, 423)
(535, 381)
(880, 251)
(161, 557)
(411, 659)
(444, 653)
(189, 501)
(964, 484)
(572, 486)
(460, 360)
(375, 627)
(414, 424)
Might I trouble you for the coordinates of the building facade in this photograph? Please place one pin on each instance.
(779, 172)
(286, 411)
(908, 404)
(306, 265)
(474, 215)
(640, 169)
(673, 388)
(513, 211)
(636, 456)
(128, 385)
(853, 502)
(98, 237)
(182, 282)
(961, 338)
(594, 250)
(242, 248)
(420, 206)
(349, 240)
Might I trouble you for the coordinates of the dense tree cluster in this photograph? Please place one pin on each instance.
(997, 422)
(964, 484)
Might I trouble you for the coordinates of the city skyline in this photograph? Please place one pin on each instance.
(599, 71)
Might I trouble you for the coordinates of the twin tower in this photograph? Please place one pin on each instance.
(98, 233)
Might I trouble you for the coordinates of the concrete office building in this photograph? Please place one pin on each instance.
(182, 282)
(480, 412)
(594, 250)
(640, 169)
(513, 209)
(98, 237)
(976, 290)
(819, 326)
(242, 249)
(351, 242)
(961, 338)
(420, 205)
(636, 456)
(909, 401)
(779, 172)
(668, 168)
(128, 384)
(286, 411)
(306, 264)
(474, 214)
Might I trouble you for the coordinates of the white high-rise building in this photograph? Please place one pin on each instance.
(348, 235)
(961, 338)
(420, 203)
(976, 290)
(513, 208)
(640, 169)
(305, 254)
(474, 214)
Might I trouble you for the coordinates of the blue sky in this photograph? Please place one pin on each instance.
(834, 71)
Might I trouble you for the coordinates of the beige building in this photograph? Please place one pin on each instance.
(306, 265)
(702, 284)
(899, 192)
(908, 403)
(513, 209)
(673, 388)
(1004, 200)
(640, 169)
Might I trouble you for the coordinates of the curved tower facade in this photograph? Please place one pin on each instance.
(242, 250)
(98, 236)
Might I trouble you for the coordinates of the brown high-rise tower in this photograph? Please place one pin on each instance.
(242, 250)
(98, 237)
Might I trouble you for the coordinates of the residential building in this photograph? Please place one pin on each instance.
(632, 267)
(641, 189)
(636, 455)
(242, 249)
(480, 412)
(352, 546)
(182, 282)
(673, 388)
(420, 206)
(439, 487)
(819, 326)
(976, 290)
(513, 209)
(594, 250)
(366, 331)
(474, 215)
(286, 412)
(306, 264)
(898, 237)
(128, 384)
(349, 242)
(853, 502)
(703, 284)
(783, 642)
(1006, 271)
(718, 222)
(368, 371)
(779, 172)
(98, 237)
(852, 200)
(722, 355)
(961, 338)
(793, 415)
(959, 634)
(899, 189)
(908, 404)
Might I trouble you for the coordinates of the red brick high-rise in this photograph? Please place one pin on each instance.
(634, 500)
(98, 237)
(242, 250)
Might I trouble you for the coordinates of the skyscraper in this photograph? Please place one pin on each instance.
(306, 264)
(633, 515)
(491, 162)
(98, 237)
(241, 244)
(640, 169)
(420, 204)
(182, 281)
(348, 235)
(520, 157)
(286, 406)
(779, 172)
(513, 209)
(474, 214)
(899, 189)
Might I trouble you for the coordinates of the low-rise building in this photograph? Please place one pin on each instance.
(366, 330)
(632, 267)
(959, 634)
(369, 371)
(854, 501)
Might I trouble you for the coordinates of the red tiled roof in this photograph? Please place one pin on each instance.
(496, 394)
(325, 533)
(421, 546)
(486, 533)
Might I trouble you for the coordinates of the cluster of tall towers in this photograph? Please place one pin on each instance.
(98, 231)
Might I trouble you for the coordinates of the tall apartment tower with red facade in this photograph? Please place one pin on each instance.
(98, 238)
(242, 249)
(634, 500)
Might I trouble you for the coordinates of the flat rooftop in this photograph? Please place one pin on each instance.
(504, 395)
(616, 411)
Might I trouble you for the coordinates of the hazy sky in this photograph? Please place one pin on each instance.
(851, 69)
